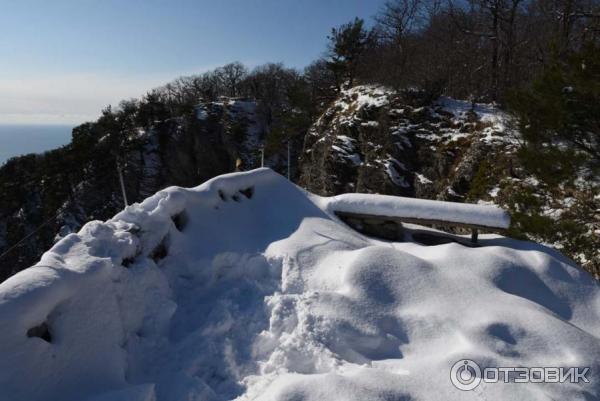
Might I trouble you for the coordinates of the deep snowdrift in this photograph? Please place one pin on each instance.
(249, 287)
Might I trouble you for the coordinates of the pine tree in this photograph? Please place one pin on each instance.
(347, 44)
(559, 115)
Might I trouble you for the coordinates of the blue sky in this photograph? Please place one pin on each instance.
(62, 61)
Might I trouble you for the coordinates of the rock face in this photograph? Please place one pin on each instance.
(352, 146)
(57, 192)
(376, 140)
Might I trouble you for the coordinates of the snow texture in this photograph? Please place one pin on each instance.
(249, 288)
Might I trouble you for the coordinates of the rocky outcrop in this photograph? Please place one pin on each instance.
(376, 140)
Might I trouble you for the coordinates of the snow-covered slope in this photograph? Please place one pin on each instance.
(249, 287)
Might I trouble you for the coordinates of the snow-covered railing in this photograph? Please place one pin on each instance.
(420, 211)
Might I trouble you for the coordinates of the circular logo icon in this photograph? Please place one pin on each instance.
(465, 375)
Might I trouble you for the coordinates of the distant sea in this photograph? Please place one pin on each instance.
(16, 140)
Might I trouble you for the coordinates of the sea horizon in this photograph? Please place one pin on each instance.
(26, 138)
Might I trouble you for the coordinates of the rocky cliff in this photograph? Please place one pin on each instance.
(376, 140)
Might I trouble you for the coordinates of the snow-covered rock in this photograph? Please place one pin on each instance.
(376, 140)
(248, 287)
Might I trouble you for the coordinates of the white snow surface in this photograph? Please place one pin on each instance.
(485, 112)
(266, 295)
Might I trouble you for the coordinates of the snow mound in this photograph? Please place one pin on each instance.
(249, 288)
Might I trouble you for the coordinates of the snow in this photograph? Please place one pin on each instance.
(369, 95)
(392, 172)
(347, 149)
(346, 140)
(361, 97)
(497, 121)
(485, 112)
(494, 192)
(532, 181)
(201, 112)
(422, 179)
(263, 294)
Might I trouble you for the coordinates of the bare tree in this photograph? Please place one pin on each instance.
(400, 17)
(231, 75)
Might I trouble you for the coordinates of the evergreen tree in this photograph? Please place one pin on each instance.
(347, 44)
(559, 115)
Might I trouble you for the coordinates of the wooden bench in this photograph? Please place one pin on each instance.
(371, 219)
(386, 214)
